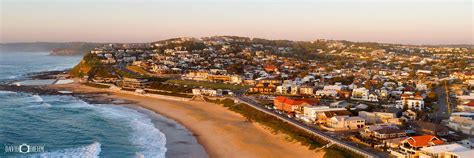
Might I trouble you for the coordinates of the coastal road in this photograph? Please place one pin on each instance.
(366, 152)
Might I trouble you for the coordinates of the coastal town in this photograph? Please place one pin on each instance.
(373, 99)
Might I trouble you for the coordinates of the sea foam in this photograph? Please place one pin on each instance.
(90, 151)
(145, 135)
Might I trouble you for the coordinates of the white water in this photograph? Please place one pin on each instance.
(90, 151)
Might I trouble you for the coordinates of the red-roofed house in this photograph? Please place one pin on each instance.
(291, 104)
(468, 107)
(270, 68)
(410, 147)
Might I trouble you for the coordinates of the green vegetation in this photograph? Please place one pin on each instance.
(205, 84)
(96, 85)
(175, 94)
(137, 70)
(126, 74)
(336, 152)
(169, 87)
(87, 63)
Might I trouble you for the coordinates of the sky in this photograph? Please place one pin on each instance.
(389, 21)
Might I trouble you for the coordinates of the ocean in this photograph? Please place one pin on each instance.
(66, 126)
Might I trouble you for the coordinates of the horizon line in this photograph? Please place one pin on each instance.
(355, 41)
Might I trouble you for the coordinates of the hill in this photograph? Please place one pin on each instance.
(67, 48)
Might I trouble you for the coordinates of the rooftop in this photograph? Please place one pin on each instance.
(444, 148)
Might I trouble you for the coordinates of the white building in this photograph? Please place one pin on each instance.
(327, 93)
(411, 102)
(421, 87)
(333, 87)
(207, 92)
(461, 124)
(306, 90)
(442, 151)
(346, 122)
(235, 79)
(363, 94)
(310, 113)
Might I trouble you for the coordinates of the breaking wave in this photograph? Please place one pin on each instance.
(145, 135)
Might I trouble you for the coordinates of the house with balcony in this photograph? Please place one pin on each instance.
(411, 146)
(135, 83)
(340, 123)
(410, 101)
(382, 132)
(314, 113)
(326, 93)
(364, 95)
(263, 88)
(306, 90)
(388, 115)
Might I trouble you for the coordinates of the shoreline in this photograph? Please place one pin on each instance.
(221, 132)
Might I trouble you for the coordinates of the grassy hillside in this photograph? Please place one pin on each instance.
(84, 67)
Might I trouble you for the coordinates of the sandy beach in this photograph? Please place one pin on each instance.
(221, 132)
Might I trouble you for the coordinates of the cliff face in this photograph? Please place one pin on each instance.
(85, 66)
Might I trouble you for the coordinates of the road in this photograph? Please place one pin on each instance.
(442, 111)
(368, 152)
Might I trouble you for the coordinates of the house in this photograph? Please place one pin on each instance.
(442, 151)
(235, 79)
(196, 75)
(265, 88)
(326, 93)
(380, 117)
(135, 83)
(333, 87)
(211, 92)
(310, 113)
(273, 81)
(461, 124)
(421, 87)
(196, 91)
(291, 105)
(459, 154)
(410, 147)
(270, 68)
(207, 92)
(410, 101)
(382, 132)
(428, 128)
(408, 115)
(363, 94)
(290, 89)
(338, 123)
(467, 107)
(306, 90)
